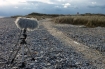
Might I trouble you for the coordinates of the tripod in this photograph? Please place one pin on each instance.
(22, 43)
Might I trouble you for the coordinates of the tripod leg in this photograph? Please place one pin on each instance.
(14, 47)
(12, 51)
(22, 53)
(15, 55)
(23, 63)
(30, 52)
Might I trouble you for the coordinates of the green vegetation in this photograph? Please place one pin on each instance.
(41, 15)
(37, 15)
(88, 21)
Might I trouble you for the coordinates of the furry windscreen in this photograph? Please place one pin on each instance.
(26, 23)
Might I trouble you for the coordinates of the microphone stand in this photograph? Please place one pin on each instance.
(22, 42)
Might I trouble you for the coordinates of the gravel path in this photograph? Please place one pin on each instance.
(49, 52)
(92, 37)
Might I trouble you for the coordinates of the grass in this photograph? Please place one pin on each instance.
(88, 21)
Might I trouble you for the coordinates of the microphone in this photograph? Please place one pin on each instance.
(29, 24)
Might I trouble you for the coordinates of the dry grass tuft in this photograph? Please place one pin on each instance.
(88, 21)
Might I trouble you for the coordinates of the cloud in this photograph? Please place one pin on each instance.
(94, 3)
(28, 8)
(41, 1)
(51, 6)
(16, 7)
(97, 6)
(11, 2)
(57, 6)
(61, 0)
(66, 5)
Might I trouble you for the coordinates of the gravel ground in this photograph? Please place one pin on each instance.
(92, 37)
(48, 51)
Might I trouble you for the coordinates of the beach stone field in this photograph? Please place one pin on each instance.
(47, 50)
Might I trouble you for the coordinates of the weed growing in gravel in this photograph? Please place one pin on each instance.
(88, 21)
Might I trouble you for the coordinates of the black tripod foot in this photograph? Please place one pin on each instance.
(12, 61)
(22, 65)
(32, 59)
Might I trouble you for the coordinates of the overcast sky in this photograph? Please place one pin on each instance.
(23, 7)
